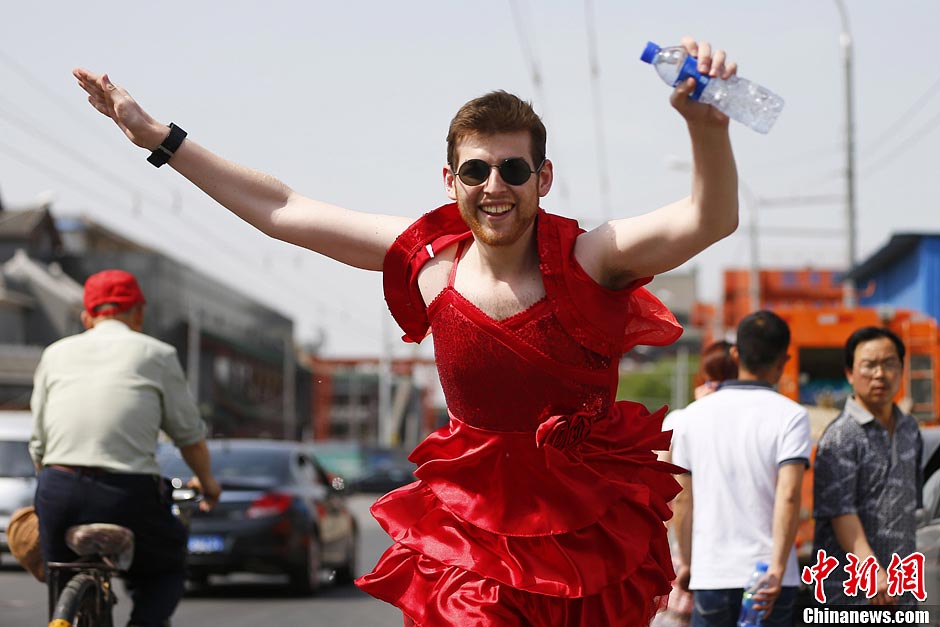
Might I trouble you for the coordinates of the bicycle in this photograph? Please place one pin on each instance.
(105, 550)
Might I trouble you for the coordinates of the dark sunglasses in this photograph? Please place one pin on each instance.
(514, 171)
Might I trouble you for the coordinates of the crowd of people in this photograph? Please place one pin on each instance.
(743, 448)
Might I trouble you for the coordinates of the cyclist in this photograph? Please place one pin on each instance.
(100, 399)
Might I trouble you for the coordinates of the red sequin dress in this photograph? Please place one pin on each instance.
(541, 502)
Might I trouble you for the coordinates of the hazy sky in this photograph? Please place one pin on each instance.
(350, 102)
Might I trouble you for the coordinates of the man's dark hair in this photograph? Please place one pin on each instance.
(866, 334)
(496, 112)
(763, 338)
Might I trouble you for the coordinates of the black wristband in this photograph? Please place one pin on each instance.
(169, 146)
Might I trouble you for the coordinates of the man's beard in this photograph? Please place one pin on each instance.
(483, 234)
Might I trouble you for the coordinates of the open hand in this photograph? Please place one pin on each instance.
(117, 104)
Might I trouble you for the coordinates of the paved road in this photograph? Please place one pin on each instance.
(238, 601)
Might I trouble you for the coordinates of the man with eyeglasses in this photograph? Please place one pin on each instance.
(867, 480)
(541, 502)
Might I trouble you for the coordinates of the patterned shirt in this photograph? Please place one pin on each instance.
(862, 469)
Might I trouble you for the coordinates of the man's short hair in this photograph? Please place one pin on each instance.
(763, 338)
(496, 112)
(866, 334)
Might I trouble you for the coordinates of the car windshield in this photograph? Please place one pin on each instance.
(15, 460)
(341, 458)
(257, 465)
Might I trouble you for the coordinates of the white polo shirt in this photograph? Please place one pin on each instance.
(733, 441)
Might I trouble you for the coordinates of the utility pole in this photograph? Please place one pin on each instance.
(845, 41)
(753, 282)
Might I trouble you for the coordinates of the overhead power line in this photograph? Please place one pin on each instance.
(599, 133)
(871, 148)
(531, 59)
(909, 142)
(198, 239)
(24, 122)
(904, 118)
(27, 76)
(526, 46)
(25, 159)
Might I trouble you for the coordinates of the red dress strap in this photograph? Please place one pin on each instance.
(453, 269)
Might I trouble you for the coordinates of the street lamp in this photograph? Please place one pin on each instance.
(845, 41)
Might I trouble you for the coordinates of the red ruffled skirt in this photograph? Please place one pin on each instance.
(559, 527)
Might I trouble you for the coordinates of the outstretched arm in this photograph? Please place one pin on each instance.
(620, 251)
(351, 237)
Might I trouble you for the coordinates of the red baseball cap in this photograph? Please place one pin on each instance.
(112, 287)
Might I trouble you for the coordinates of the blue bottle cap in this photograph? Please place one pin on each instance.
(650, 52)
(762, 566)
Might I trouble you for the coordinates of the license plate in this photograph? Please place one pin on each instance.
(206, 544)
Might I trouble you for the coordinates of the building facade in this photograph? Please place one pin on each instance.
(238, 354)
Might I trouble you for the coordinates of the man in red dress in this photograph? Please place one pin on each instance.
(555, 307)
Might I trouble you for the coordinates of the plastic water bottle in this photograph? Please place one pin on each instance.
(738, 98)
(749, 617)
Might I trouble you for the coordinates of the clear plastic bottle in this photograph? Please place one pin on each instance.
(749, 617)
(738, 98)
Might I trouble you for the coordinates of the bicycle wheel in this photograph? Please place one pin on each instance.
(79, 605)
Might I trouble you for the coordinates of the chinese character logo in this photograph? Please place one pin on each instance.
(907, 575)
(817, 573)
(862, 576)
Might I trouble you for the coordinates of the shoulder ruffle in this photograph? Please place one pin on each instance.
(609, 322)
(430, 234)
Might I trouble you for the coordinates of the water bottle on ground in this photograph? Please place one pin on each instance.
(749, 617)
(736, 97)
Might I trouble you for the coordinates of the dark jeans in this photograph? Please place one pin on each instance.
(720, 608)
(139, 502)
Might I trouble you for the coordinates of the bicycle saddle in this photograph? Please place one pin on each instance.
(114, 543)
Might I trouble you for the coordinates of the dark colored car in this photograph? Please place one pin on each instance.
(366, 468)
(385, 475)
(280, 512)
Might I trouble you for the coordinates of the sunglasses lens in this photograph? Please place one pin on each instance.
(515, 171)
(474, 172)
